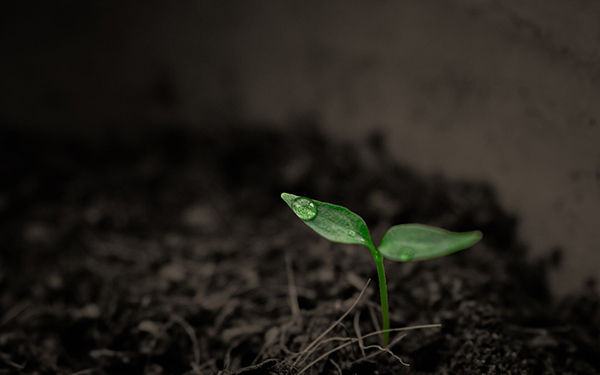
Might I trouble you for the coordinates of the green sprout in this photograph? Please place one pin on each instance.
(401, 243)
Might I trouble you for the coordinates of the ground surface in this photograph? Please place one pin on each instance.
(174, 254)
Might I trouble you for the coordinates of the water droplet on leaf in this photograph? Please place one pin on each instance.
(304, 208)
(351, 233)
(406, 255)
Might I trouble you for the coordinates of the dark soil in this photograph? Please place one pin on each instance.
(173, 253)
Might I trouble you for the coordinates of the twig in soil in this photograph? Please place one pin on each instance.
(387, 350)
(351, 340)
(292, 292)
(227, 360)
(337, 367)
(8, 361)
(325, 355)
(189, 330)
(374, 319)
(361, 344)
(395, 341)
(270, 338)
(282, 338)
(316, 341)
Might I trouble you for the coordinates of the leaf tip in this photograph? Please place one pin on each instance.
(288, 198)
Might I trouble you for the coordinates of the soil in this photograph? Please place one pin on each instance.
(173, 253)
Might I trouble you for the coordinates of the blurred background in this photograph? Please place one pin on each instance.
(505, 92)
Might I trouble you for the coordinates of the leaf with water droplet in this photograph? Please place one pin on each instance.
(304, 208)
(335, 223)
(409, 242)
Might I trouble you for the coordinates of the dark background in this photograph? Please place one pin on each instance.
(503, 92)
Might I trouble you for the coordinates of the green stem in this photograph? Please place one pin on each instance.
(383, 296)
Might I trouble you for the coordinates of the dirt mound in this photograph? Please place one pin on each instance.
(174, 254)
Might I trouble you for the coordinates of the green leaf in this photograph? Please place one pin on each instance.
(409, 242)
(335, 223)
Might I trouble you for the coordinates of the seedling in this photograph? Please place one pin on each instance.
(401, 243)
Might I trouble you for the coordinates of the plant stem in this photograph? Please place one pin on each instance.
(383, 297)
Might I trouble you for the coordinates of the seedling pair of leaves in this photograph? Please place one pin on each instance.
(401, 243)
